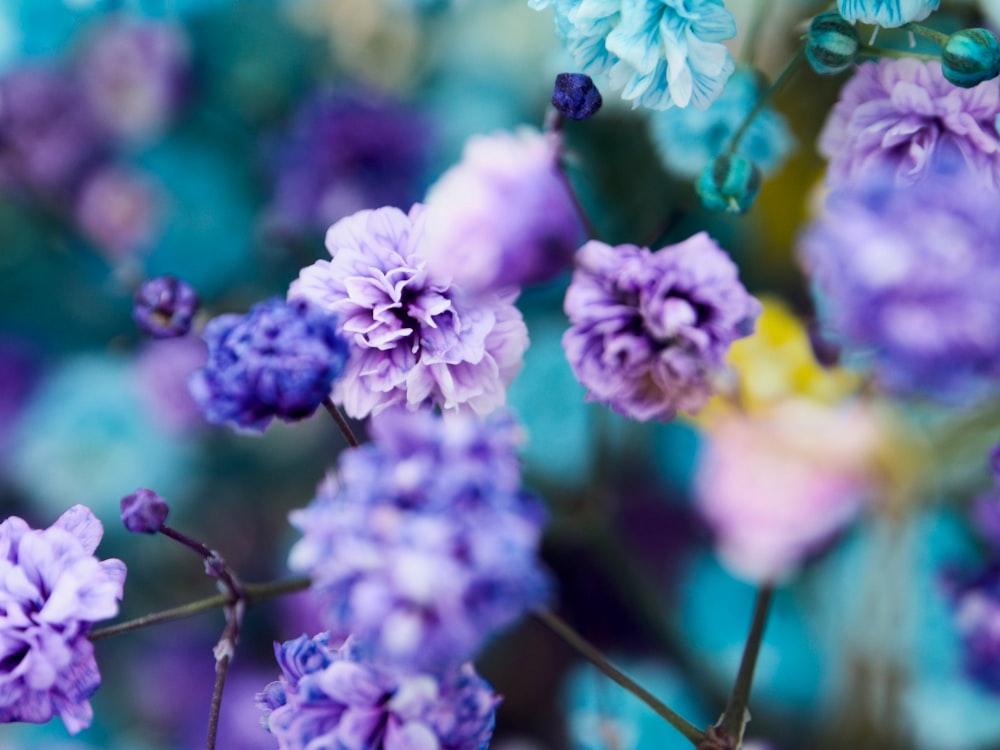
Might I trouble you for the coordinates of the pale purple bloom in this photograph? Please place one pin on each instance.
(52, 589)
(423, 545)
(415, 337)
(345, 151)
(161, 370)
(902, 116)
(164, 306)
(650, 329)
(48, 135)
(330, 697)
(119, 210)
(502, 216)
(906, 279)
(278, 360)
(144, 512)
(134, 75)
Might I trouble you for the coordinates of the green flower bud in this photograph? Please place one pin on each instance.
(831, 43)
(729, 183)
(971, 56)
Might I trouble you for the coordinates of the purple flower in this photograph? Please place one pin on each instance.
(164, 306)
(344, 152)
(975, 600)
(52, 589)
(575, 96)
(144, 512)
(278, 360)
(134, 74)
(649, 329)
(48, 135)
(902, 116)
(423, 544)
(119, 210)
(415, 337)
(329, 697)
(503, 215)
(161, 373)
(906, 278)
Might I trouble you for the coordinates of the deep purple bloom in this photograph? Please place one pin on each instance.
(650, 329)
(902, 116)
(502, 216)
(52, 589)
(906, 279)
(329, 697)
(278, 360)
(344, 152)
(975, 599)
(134, 73)
(423, 545)
(144, 512)
(415, 337)
(48, 135)
(164, 306)
(576, 96)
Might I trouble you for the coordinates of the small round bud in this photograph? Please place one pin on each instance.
(576, 96)
(164, 306)
(971, 56)
(729, 183)
(831, 43)
(144, 512)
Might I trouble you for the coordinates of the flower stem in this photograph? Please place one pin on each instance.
(926, 32)
(345, 428)
(869, 51)
(783, 77)
(559, 626)
(734, 719)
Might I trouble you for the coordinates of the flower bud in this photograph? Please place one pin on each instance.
(729, 183)
(576, 96)
(971, 56)
(163, 307)
(144, 512)
(831, 43)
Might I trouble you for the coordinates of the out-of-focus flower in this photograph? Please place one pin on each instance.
(345, 151)
(689, 139)
(906, 280)
(502, 216)
(903, 116)
(164, 307)
(134, 74)
(659, 53)
(575, 96)
(414, 336)
(48, 135)
(161, 371)
(19, 372)
(52, 589)
(975, 598)
(650, 329)
(144, 512)
(888, 13)
(328, 696)
(119, 211)
(777, 485)
(278, 360)
(423, 544)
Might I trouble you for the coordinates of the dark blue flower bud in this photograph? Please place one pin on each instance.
(729, 183)
(971, 56)
(576, 96)
(163, 307)
(144, 512)
(831, 43)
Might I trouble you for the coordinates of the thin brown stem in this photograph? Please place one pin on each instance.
(345, 429)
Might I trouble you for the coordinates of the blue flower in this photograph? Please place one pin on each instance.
(688, 139)
(659, 53)
(888, 13)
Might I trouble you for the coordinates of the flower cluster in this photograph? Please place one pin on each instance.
(52, 589)
(423, 545)
(650, 329)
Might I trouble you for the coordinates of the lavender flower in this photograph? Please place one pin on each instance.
(278, 360)
(975, 598)
(660, 53)
(888, 13)
(904, 117)
(423, 545)
(906, 280)
(119, 210)
(134, 75)
(344, 152)
(503, 216)
(164, 307)
(329, 697)
(52, 589)
(414, 337)
(649, 329)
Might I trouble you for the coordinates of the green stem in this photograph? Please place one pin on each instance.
(783, 77)
(559, 626)
(867, 50)
(926, 32)
(255, 592)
